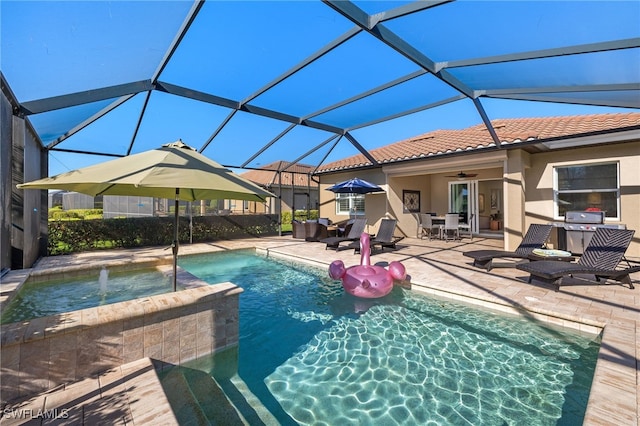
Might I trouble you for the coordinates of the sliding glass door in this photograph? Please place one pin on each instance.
(463, 199)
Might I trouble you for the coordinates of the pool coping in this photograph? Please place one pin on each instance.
(614, 396)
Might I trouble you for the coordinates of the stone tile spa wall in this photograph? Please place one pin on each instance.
(46, 352)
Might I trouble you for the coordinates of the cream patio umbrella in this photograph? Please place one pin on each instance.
(174, 170)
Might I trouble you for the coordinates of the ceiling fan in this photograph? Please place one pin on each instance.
(463, 175)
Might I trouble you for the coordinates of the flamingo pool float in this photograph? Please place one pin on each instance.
(366, 280)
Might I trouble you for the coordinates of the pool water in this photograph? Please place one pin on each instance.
(313, 355)
(40, 299)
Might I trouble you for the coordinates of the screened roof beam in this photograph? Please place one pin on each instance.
(196, 95)
(140, 117)
(76, 151)
(327, 154)
(85, 97)
(316, 55)
(6, 89)
(228, 103)
(565, 89)
(90, 120)
(619, 103)
(360, 148)
(630, 43)
(369, 93)
(382, 33)
(311, 151)
(408, 9)
(191, 16)
(408, 112)
(487, 121)
(218, 130)
(269, 144)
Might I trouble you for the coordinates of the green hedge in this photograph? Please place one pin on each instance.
(301, 215)
(56, 213)
(84, 235)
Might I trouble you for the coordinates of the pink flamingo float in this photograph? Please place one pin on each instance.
(366, 280)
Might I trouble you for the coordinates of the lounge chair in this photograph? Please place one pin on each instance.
(357, 228)
(535, 237)
(384, 238)
(601, 258)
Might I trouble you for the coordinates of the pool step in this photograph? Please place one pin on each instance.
(197, 399)
(247, 403)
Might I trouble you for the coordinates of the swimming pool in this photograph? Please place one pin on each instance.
(94, 288)
(313, 355)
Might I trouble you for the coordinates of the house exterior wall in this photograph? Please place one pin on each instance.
(539, 183)
(408, 221)
(525, 180)
(375, 204)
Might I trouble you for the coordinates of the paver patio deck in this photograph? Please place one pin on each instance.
(438, 268)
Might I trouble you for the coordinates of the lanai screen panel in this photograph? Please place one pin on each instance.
(249, 83)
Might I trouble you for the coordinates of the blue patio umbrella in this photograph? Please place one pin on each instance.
(354, 186)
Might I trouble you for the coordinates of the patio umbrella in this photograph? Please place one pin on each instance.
(174, 170)
(354, 186)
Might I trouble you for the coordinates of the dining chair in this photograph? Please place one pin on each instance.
(466, 227)
(426, 226)
(450, 229)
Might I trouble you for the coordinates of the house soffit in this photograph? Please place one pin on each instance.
(467, 163)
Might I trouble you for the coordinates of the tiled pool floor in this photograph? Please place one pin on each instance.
(437, 267)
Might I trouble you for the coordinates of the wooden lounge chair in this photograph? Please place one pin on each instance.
(601, 258)
(357, 228)
(535, 237)
(384, 238)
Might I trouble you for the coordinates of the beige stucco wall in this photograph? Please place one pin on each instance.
(408, 222)
(539, 183)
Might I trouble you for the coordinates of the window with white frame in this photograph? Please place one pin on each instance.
(351, 204)
(587, 187)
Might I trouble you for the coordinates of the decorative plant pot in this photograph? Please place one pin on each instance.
(494, 225)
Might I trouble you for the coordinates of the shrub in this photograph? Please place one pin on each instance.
(82, 235)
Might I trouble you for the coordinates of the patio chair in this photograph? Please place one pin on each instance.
(316, 230)
(601, 258)
(357, 228)
(426, 228)
(384, 237)
(298, 229)
(536, 237)
(450, 229)
(466, 227)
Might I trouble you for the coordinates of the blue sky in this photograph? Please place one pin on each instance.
(235, 48)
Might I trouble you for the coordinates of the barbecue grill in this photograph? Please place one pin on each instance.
(575, 233)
